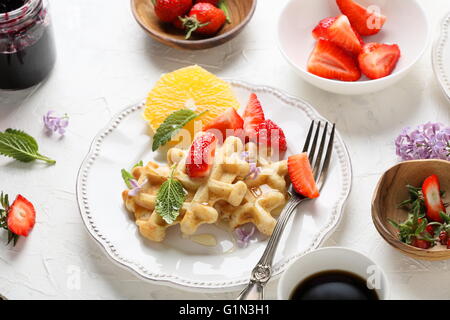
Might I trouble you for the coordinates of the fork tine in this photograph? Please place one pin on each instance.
(323, 174)
(320, 152)
(314, 144)
(308, 138)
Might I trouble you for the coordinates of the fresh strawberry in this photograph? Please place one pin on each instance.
(419, 243)
(448, 244)
(339, 31)
(365, 22)
(201, 155)
(271, 135)
(253, 116)
(21, 216)
(170, 10)
(204, 18)
(430, 230)
(213, 2)
(443, 237)
(229, 121)
(301, 175)
(378, 60)
(431, 190)
(332, 62)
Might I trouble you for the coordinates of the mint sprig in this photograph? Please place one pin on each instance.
(170, 199)
(171, 125)
(21, 146)
(4, 203)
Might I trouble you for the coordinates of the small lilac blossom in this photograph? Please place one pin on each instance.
(136, 187)
(244, 234)
(56, 124)
(254, 171)
(427, 141)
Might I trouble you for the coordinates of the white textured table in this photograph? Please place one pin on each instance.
(105, 63)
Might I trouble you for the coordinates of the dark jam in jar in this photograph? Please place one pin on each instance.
(27, 50)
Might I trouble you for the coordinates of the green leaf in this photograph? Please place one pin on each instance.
(170, 199)
(21, 146)
(445, 217)
(171, 126)
(224, 7)
(127, 176)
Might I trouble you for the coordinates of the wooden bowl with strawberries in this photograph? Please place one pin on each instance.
(193, 24)
(425, 235)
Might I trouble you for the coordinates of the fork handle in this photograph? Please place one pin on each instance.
(263, 270)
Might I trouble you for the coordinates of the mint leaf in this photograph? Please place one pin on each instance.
(171, 126)
(21, 146)
(127, 176)
(170, 199)
(223, 6)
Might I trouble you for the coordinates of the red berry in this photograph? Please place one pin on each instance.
(301, 175)
(204, 18)
(448, 244)
(200, 158)
(253, 116)
(430, 230)
(169, 10)
(21, 216)
(213, 2)
(271, 135)
(419, 243)
(443, 237)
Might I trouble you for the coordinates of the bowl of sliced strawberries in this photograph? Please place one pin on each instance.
(353, 46)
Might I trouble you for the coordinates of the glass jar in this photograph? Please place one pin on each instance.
(27, 49)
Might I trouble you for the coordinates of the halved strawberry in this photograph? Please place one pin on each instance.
(301, 175)
(253, 116)
(271, 135)
(332, 62)
(200, 158)
(420, 243)
(339, 31)
(21, 216)
(378, 60)
(431, 190)
(365, 22)
(229, 121)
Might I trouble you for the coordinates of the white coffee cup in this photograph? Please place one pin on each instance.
(331, 259)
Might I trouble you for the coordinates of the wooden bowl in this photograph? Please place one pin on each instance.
(241, 11)
(391, 191)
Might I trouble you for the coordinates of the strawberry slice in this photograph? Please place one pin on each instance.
(253, 116)
(419, 243)
(301, 175)
(431, 190)
(339, 31)
(378, 60)
(229, 121)
(21, 216)
(271, 135)
(365, 22)
(332, 62)
(200, 158)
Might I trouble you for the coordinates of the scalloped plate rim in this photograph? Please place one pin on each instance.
(210, 286)
(439, 44)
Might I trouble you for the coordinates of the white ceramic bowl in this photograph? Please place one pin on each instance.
(407, 26)
(333, 258)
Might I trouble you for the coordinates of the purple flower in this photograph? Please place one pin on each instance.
(254, 170)
(244, 234)
(427, 141)
(56, 124)
(136, 187)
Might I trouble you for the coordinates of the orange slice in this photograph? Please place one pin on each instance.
(191, 88)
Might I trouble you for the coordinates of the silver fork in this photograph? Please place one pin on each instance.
(263, 270)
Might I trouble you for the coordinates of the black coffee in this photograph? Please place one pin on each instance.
(334, 285)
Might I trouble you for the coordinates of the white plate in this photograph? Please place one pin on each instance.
(296, 42)
(441, 56)
(180, 262)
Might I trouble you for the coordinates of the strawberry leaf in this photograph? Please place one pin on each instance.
(171, 126)
(224, 7)
(19, 145)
